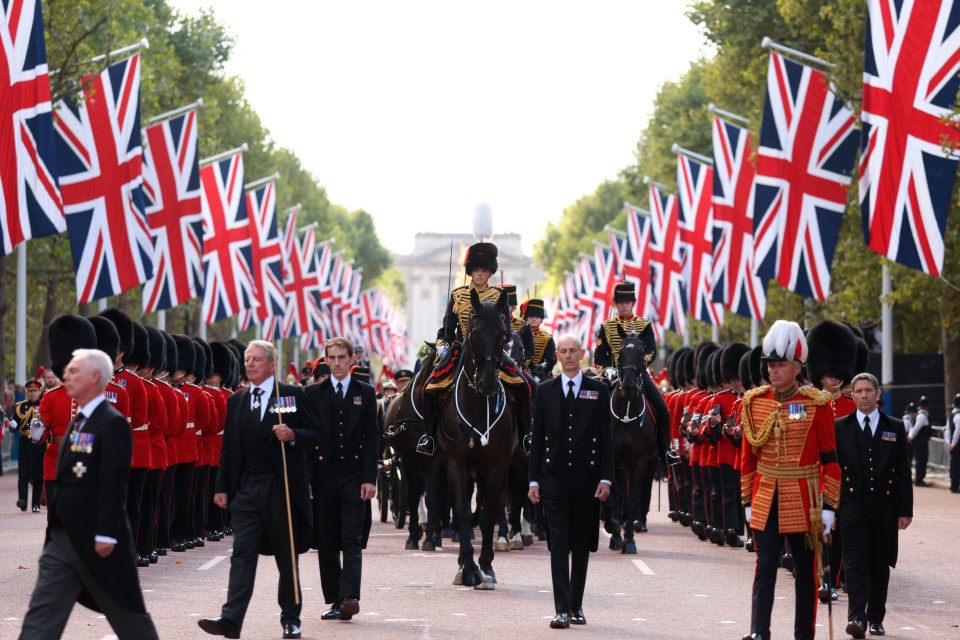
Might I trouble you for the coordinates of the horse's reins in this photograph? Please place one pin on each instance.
(626, 414)
(501, 397)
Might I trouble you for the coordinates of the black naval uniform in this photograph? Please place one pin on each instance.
(30, 461)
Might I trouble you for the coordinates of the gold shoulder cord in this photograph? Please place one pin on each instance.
(758, 436)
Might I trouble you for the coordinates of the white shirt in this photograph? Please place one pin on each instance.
(919, 423)
(874, 420)
(267, 387)
(345, 382)
(565, 383)
(956, 428)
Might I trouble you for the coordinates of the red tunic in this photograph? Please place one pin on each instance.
(220, 400)
(690, 409)
(187, 439)
(139, 416)
(707, 446)
(173, 425)
(157, 410)
(210, 427)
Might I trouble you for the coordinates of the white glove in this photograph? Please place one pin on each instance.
(442, 350)
(827, 515)
(746, 512)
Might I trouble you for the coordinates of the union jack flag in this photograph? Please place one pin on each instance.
(910, 86)
(100, 160)
(267, 252)
(605, 270)
(227, 254)
(302, 285)
(807, 148)
(667, 259)
(734, 282)
(30, 203)
(695, 181)
(634, 257)
(171, 191)
(370, 322)
(587, 320)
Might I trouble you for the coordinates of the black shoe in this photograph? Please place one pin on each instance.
(291, 630)
(189, 544)
(826, 594)
(674, 515)
(921, 483)
(857, 629)
(179, 547)
(198, 543)
(526, 443)
(786, 561)
(577, 617)
(228, 531)
(161, 551)
(640, 528)
(212, 536)
(427, 445)
(876, 629)
(749, 545)
(753, 636)
(732, 538)
(143, 561)
(219, 627)
(560, 621)
(36, 508)
(152, 557)
(349, 607)
(22, 505)
(333, 613)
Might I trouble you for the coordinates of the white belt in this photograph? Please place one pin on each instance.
(219, 433)
(143, 428)
(199, 432)
(191, 425)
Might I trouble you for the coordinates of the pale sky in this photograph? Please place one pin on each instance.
(416, 111)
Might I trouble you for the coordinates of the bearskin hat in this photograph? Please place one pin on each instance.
(173, 354)
(686, 366)
(200, 364)
(744, 369)
(701, 355)
(713, 365)
(186, 353)
(124, 326)
(756, 374)
(158, 350)
(224, 362)
(670, 366)
(625, 292)
(108, 339)
(730, 361)
(140, 356)
(832, 352)
(785, 341)
(66, 334)
(482, 255)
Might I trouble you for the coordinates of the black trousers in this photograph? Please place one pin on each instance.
(135, 484)
(61, 579)
(570, 511)
(921, 452)
(181, 502)
(685, 484)
(869, 532)
(147, 534)
(768, 543)
(164, 508)
(697, 496)
(730, 493)
(30, 469)
(214, 521)
(258, 508)
(713, 492)
(201, 477)
(955, 469)
(338, 514)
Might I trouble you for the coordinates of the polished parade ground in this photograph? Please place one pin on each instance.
(676, 587)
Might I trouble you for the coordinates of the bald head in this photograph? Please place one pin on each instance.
(570, 353)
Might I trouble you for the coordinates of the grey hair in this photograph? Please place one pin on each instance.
(267, 346)
(571, 336)
(869, 377)
(98, 361)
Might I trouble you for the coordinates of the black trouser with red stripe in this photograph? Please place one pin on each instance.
(768, 543)
(165, 508)
(138, 478)
(730, 484)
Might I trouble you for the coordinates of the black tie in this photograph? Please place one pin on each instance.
(570, 395)
(78, 421)
(866, 425)
(255, 407)
(340, 391)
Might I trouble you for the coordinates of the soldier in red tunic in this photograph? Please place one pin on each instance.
(157, 410)
(219, 384)
(186, 442)
(789, 459)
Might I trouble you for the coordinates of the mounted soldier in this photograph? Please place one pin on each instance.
(540, 364)
(480, 264)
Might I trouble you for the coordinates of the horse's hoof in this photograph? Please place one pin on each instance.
(446, 532)
(616, 543)
(427, 546)
(629, 548)
(501, 544)
(458, 579)
(410, 545)
(516, 544)
(527, 540)
(487, 583)
(471, 578)
(610, 526)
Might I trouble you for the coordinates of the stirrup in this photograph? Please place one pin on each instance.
(427, 445)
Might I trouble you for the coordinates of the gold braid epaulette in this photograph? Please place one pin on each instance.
(757, 437)
(819, 397)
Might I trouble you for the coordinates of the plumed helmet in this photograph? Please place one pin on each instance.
(108, 340)
(124, 326)
(66, 334)
(482, 255)
(832, 351)
(140, 356)
(158, 350)
(785, 342)
(173, 354)
(730, 361)
(186, 353)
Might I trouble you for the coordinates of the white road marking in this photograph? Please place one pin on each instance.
(644, 569)
(11, 618)
(543, 591)
(371, 613)
(700, 595)
(405, 620)
(638, 619)
(939, 602)
(384, 588)
(728, 622)
(194, 615)
(620, 593)
(211, 563)
(459, 614)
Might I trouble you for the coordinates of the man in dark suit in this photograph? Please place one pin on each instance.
(89, 556)
(344, 477)
(876, 500)
(571, 463)
(266, 423)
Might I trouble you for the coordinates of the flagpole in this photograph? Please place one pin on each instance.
(169, 115)
(768, 43)
(640, 211)
(754, 332)
(133, 48)
(647, 180)
(712, 108)
(886, 327)
(226, 154)
(617, 232)
(250, 186)
(162, 320)
(20, 359)
(691, 154)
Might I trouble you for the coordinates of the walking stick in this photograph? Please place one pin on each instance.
(825, 559)
(286, 496)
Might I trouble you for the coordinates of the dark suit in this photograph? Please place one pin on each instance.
(875, 491)
(90, 501)
(572, 451)
(251, 474)
(346, 457)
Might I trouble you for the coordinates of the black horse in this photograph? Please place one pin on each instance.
(403, 425)
(634, 441)
(478, 436)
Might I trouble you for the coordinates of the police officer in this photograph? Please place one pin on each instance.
(26, 414)
(919, 438)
